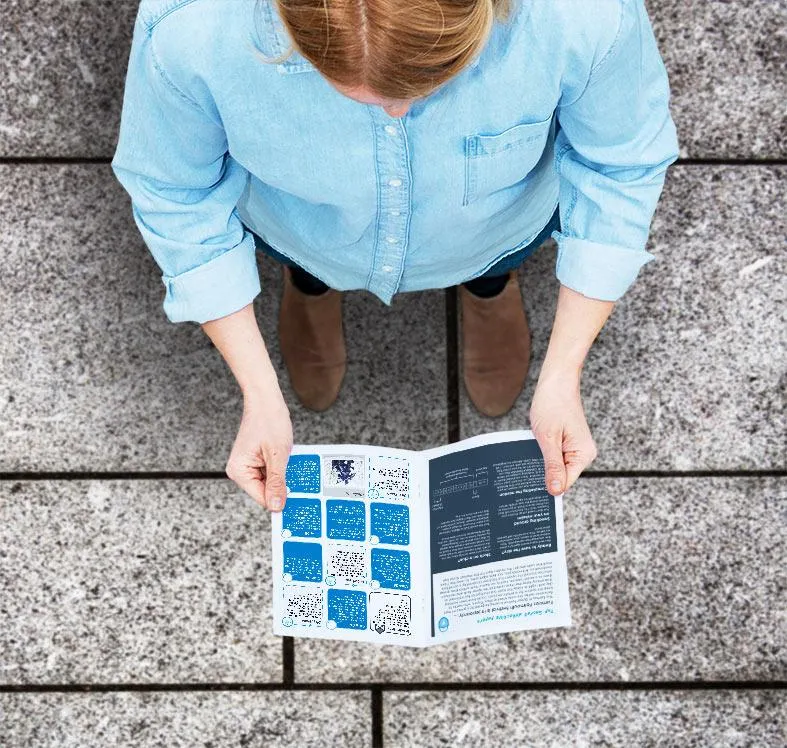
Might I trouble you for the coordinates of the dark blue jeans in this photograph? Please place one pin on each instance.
(515, 259)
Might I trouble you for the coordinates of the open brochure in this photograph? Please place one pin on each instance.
(416, 548)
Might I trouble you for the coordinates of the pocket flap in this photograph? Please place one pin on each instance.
(516, 137)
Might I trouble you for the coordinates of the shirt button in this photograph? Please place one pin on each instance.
(391, 239)
(394, 213)
(395, 182)
(390, 129)
(387, 268)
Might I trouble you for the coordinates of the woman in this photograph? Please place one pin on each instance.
(393, 146)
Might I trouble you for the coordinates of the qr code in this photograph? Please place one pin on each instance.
(347, 565)
(389, 478)
(303, 606)
(389, 613)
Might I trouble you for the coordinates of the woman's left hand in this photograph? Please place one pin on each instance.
(558, 422)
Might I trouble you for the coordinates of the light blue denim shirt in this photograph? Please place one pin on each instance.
(212, 138)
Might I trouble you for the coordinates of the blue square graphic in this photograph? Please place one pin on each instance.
(391, 523)
(303, 561)
(391, 569)
(303, 474)
(347, 609)
(346, 520)
(302, 517)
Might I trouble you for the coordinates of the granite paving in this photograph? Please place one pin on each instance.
(691, 719)
(725, 61)
(152, 581)
(689, 372)
(670, 579)
(278, 719)
(64, 97)
(98, 379)
(666, 353)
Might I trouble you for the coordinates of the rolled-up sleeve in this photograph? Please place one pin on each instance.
(617, 139)
(172, 159)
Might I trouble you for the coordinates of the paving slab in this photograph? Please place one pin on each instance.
(725, 62)
(272, 719)
(64, 97)
(63, 73)
(671, 579)
(734, 719)
(93, 377)
(689, 372)
(150, 581)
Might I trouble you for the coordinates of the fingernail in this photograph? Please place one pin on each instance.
(276, 504)
(555, 486)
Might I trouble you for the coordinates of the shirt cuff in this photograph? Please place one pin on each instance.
(219, 287)
(599, 271)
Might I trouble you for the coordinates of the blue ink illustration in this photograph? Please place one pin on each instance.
(346, 520)
(343, 470)
(301, 518)
(302, 562)
(390, 523)
(346, 609)
(442, 624)
(344, 475)
(391, 569)
(303, 474)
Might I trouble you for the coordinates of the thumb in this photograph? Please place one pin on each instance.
(275, 485)
(554, 467)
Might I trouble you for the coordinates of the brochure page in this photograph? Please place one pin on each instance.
(349, 545)
(496, 539)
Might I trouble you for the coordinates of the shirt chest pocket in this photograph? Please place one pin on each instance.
(494, 162)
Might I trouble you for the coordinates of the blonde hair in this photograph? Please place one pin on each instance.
(399, 49)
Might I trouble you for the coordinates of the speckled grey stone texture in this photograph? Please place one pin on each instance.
(726, 66)
(670, 579)
(62, 75)
(690, 719)
(689, 372)
(134, 582)
(94, 377)
(64, 71)
(273, 719)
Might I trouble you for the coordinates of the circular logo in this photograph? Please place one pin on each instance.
(442, 624)
(287, 621)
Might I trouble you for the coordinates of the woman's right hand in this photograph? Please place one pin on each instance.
(258, 460)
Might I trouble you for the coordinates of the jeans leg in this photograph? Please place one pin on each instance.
(494, 280)
(306, 283)
(486, 286)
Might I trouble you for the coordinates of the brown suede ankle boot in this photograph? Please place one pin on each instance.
(311, 340)
(495, 347)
